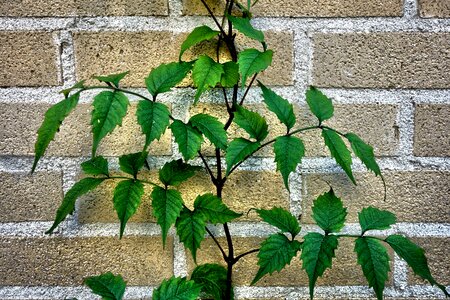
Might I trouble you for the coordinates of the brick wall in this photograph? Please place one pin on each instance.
(386, 65)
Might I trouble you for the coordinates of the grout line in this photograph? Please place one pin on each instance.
(411, 9)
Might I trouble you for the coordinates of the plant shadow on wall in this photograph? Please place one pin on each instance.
(234, 78)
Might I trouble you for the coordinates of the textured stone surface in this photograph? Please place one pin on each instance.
(412, 196)
(432, 130)
(28, 59)
(434, 8)
(42, 8)
(25, 197)
(381, 60)
(65, 262)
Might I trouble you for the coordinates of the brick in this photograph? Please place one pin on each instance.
(66, 261)
(55, 8)
(412, 196)
(139, 52)
(74, 139)
(381, 60)
(25, 197)
(432, 130)
(308, 8)
(28, 59)
(434, 8)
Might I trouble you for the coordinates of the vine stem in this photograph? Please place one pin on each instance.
(217, 243)
(214, 18)
(109, 87)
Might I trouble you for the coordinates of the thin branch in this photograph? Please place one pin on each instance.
(237, 258)
(248, 88)
(115, 89)
(217, 243)
(207, 166)
(226, 99)
(214, 18)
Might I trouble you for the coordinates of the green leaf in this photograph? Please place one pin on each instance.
(109, 110)
(230, 76)
(214, 210)
(206, 74)
(329, 212)
(166, 76)
(212, 128)
(198, 35)
(252, 61)
(414, 257)
(280, 218)
(188, 138)
(239, 149)
(364, 152)
(177, 288)
(280, 106)
(374, 260)
(319, 104)
(53, 118)
(107, 285)
(213, 280)
(96, 166)
(275, 253)
(339, 151)
(317, 254)
(127, 198)
(191, 230)
(68, 204)
(253, 123)
(154, 118)
(167, 205)
(78, 85)
(176, 171)
(132, 163)
(113, 78)
(374, 218)
(243, 26)
(289, 151)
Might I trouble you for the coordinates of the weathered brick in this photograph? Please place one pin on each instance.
(66, 261)
(381, 60)
(43, 8)
(28, 59)
(412, 196)
(308, 8)
(434, 8)
(432, 130)
(74, 139)
(25, 197)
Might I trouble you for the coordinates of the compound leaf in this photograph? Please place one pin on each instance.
(191, 230)
(319, 104)
(214, 210)
(206, 74)
(374, 218)
(188, 138)
(329, 212)
(230, 76)
(176, 171)
(212, 128)
(177, 288)
(244, 26)
(132, 163)
(239, 149)
(280, 218)
(253, 123)
(198, 35)
(252, 61)
(107, 285)
(166, 76)
(96, 166)
(289, 151)
(364, 152)
(213, 280)
(127, 198)
(278, 105)
(153, 118)
(113, 78)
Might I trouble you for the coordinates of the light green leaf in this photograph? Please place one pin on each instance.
(317, 254)
(198, 35)
(96, 166)
(166, 76)
(176, 171)
(132, 163)
(289, 151)
(109, 110)
(253, 123)
(191, 230)
(373, 218)
(213, 280)
(113, 78)
(329, 212)
(239, 149)
(214, 210)
(319, 104)
(153, 118)
(280, 218)
(278, 105)
(53, 118)
(167, 205)
(339, 151)
(107, 285)
(364, 152)
(374, 260)
(244, 26)
(252, 61)
(230, 76)
(275, 253)
(127, 198)
(68, 204)
(212, 128)
(78, 85)
(206, 74)
(177, 288)
(188, 138)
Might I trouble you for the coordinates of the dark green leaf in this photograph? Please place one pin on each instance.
(374, 218)
(252, 61)
(166, 76)
(113, 78)
(253, 123)
(280, 218)
(280, 106)
(289, 151)
(339, 151)
(191, 230)
(374, 260)
(109, 110)
(153, 118)
(176, 171)
(53, 118)
(188, 138)
(78, 85)
(127, 198)
(68, 204)
(167, 205)
(96, 166)
(212, 128)
(214, 210)
(206, 74)
(364, 152)
(132, 163)
(213, 280)
(177, 288)
(107, 285)
(230, 76)
(329, 212)
(317, 254)
(275, 253)
(198, 35)
(239, 149)
(244, 26)
(319, 104)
